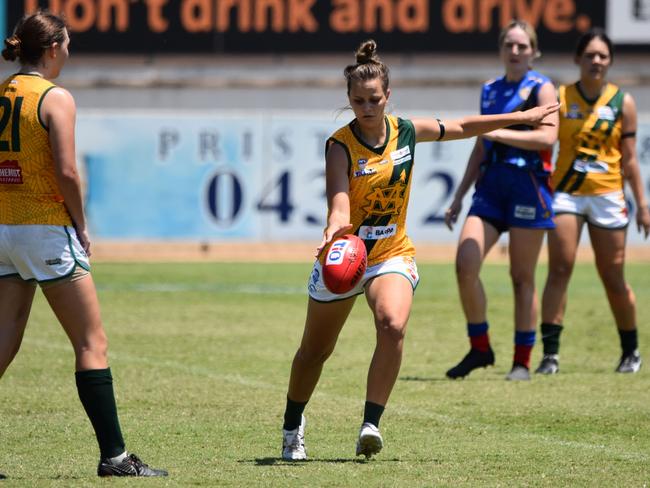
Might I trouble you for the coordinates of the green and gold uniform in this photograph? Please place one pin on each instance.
(589, 158)
(380, 184)
(29, 193)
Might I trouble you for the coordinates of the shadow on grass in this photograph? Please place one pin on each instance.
(424, 378)
(57, 477)
(434, 379)
(275, 461)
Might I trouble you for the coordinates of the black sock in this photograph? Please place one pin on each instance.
(372, 413)
(293, 414)
(95, 387)
(551, 337)
(629, 341)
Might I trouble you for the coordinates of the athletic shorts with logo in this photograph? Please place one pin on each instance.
(40, 252)
(513, 197)
(402, 265)
(607, 210)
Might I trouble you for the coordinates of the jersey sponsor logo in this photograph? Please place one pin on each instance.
(606, 113)
(524, 212)
(574, 112)
(365, 172)
(400, 156)
(11, 173)
(491, 99)
(376, 232)
(336, 252)
(582, 166)
(362, 163)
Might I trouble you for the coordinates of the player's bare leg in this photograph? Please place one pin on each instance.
(16, 297)
(476, 240)
(609, 251)
(524, 247)
(322, 328)
(390, 297)
(562, 249)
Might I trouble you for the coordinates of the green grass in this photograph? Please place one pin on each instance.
(201, 353)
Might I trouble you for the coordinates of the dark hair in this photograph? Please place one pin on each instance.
(527, 28)
(367, 67)
(590, 35)
(32, 35)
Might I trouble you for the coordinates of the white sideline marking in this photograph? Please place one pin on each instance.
(339, 399)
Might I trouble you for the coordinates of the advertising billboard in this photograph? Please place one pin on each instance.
(292, 26)
(219, 176)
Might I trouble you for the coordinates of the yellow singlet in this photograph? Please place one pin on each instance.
(589, 158)
(29, 193)
(380, 184)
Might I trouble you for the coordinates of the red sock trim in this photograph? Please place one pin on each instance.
(522, 354)
(480, 342)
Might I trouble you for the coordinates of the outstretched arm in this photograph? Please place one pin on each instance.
(474, 125)
(542, 137)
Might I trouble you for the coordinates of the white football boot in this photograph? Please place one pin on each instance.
(370, 441)
(518, 373)
(293, 443)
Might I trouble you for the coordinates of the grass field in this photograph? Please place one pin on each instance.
(201, 353)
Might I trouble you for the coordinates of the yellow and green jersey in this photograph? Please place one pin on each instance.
(29, 193)
(589, 158)
(380, 184)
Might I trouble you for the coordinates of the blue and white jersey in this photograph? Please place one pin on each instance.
(501, 96)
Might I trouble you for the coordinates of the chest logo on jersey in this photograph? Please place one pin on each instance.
(386, 201)
(607, 113)
(524, 92)
(401, 156)
(491, 99)
(574, 112)
(365, 172)
(11, 173)
(363, 169)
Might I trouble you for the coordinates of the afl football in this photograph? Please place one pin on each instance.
(345, 263)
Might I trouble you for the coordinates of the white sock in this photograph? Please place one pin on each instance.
(118, 459)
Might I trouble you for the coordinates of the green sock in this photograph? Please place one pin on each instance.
(95, 387)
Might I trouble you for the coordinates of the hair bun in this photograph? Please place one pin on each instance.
(367, 52)
(12, 48)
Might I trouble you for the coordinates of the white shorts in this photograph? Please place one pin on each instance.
(401, 265)
(40, 252)
(607, 210)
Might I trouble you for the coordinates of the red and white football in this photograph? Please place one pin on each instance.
(345, 263)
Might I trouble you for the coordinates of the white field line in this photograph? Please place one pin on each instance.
(243, 380)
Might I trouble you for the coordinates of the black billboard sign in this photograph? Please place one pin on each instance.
(293, 26)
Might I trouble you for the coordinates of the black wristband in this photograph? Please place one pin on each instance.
(625, 135)
(442, 130)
